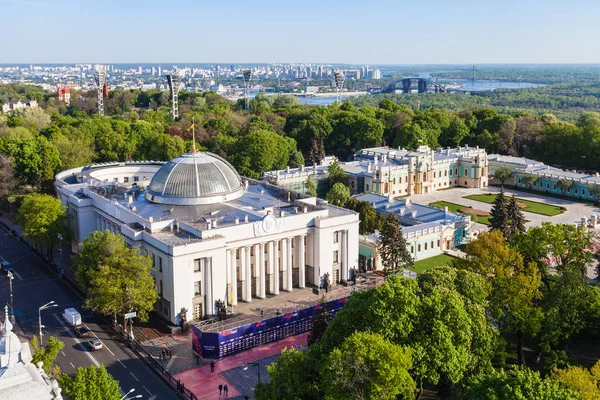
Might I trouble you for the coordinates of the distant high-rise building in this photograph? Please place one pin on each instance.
(153, 71)
(320, 71)
(308, 72)
(139, 70)
(159, 71)
(376, 74)
(232, 68)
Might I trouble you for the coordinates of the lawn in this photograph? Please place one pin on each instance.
(455, 208)
(438, 261)
(531, 206)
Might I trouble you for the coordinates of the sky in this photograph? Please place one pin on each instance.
(318, 31)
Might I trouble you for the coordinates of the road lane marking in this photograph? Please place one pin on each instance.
(72, 365)
(122, 363)
(103, 344)
(134, 376)
(63, 353)
(149, 392)
(96, 363)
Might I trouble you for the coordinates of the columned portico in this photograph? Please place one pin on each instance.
(234, 277)
(261, 271)
(270, 266)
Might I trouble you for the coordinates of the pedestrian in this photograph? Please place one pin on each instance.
(226, 390)
(220, 389)
(246, 397)
(162, 354)
(212, 366)
(170, 353)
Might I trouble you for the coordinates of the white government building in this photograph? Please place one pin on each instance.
(212, 235)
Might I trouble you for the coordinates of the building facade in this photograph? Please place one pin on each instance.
(18, 105)
(398, 172)
(583, 185)
(428, 231)
(212, 235)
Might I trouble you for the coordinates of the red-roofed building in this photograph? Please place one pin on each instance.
(64, 95)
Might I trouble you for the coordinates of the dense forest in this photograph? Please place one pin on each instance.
(277, 131)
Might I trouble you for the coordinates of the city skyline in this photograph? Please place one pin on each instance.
(377, 33)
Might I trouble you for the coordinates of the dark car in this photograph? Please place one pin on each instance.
(6, 267)
(82, 332)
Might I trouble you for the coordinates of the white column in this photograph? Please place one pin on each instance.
(248, 297)
(316, 262)
(301, 261)
(207, 267)
(243, 275)
(289, 268)
(234, 277)
(270, 266)
(256, 270)
(344, 266)
(261, 272)
(276, 267)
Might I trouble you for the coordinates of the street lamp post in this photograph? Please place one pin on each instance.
(10, 279)
(254, 364)
(128, 393)
(44, 307)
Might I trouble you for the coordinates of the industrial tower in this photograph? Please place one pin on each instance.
(100, 77)
(247, 75)
(338, 78)
(174, 82)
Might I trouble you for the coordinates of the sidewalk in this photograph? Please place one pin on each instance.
(205, 384)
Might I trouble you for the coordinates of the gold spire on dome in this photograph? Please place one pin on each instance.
(194, 150)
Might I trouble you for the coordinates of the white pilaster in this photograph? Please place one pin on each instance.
(344, 266)
(208, 273)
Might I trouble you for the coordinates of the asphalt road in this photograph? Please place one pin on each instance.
(34, 286)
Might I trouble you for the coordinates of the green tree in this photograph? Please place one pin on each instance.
(366, 366)
(115, 277)
(529, 180)
(586, 382)
(515, 215)
(392, 245)
(336, 174)
(8, 182)
(320, 322)
(91, 383)
(564, 185)
(42, 218)
(311, 188)
(262, 151)
(500, 219)
(595, 192)
(47, 354)
(502, 174)
(518, 383)
(513, 286)
(338, 195)
(293, 376)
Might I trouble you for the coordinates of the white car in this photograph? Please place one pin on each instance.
(95, 344)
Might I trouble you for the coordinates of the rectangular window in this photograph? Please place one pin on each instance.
(335, 256)
(425, 246)
(159, 264)
(198, 265)
(412, 249)
(136, 178)
(160, 292)
(336, 237)
(251, 250)
(126, 179)
(466, 172)
(198, 288)
(419, 247)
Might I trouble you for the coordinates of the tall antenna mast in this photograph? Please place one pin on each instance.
(100, 78)
(247, 75)
(193, 137)
(174, 81)
(473, 72)
(338, 78)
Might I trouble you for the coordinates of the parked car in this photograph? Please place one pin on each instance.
(82, 332)
(5, 267)
(95, 344)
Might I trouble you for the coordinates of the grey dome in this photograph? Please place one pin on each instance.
(195, 178)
